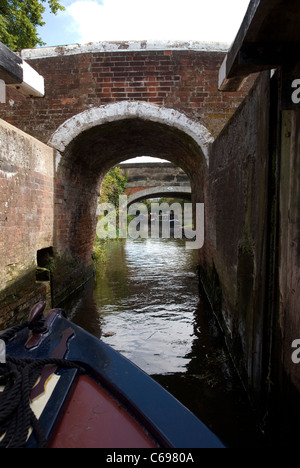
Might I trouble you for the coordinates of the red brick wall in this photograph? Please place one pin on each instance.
(132, 190)
(185, 80)
(26, 217)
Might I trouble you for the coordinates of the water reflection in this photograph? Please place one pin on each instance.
(145, 303)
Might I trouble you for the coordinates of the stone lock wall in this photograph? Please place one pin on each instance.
(236, 247)
(286, 320)
(26, 219)
(250, 263)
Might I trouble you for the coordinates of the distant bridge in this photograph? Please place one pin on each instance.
(154, 180)
(157, 192)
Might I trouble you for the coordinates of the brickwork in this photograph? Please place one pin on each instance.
(133, 190)
(149, 175)
(26, 213)
(185, 80)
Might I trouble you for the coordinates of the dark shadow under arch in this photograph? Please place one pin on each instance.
(82, 166)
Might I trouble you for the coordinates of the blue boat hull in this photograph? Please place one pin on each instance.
(164, 418)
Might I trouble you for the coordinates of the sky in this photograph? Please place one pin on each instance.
(127, 20)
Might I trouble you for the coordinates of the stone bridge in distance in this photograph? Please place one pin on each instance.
(155, 180)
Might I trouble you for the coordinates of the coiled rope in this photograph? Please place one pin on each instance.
(19, 376)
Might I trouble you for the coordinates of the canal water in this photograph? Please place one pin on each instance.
(144, 302)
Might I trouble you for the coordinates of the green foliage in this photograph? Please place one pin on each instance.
(113, 186)
(99, 254)
(19, 20)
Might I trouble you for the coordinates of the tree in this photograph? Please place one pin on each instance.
(114, 185)
(19, 20)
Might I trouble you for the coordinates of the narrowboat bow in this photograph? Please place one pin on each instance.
(63, 388)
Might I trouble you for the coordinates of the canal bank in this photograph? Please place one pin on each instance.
(145, 303)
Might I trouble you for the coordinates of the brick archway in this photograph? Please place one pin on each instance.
(89, 144)
(96, 116)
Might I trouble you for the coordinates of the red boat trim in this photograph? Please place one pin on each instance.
(94, 419)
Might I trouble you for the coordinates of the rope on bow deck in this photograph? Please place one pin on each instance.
(37, 326)
(19, 376)
(16, 416)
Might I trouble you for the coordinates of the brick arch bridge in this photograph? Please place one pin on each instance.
(158, 192)
(89, 144)
(155, 179)
(106, 103)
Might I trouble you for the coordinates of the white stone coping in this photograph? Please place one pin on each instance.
(122, 46)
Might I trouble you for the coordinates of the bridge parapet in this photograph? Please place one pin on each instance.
(180, 76)
(158, 192)
(147, 175)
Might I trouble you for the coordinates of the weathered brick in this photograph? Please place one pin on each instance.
(27, 222)
(72, 83)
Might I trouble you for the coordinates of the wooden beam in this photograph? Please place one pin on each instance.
(10, 66)
(227, 80)
(18, 74)
(268, 37)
